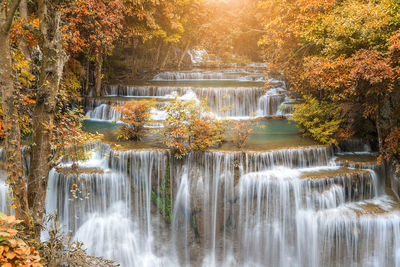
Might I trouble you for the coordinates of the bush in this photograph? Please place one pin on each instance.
(189, 127)
(240, 133)
(58, 250)
(13, 250)
(135, 114)
(318, 119)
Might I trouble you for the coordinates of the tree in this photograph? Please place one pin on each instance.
(10, 103)
(241, 131)
(91, 28)
(320, 120)
(189, 127)
(342, 52)
(51, 70)
(134, 114)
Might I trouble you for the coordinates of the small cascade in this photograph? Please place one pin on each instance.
(227, 75)
(235, 93)
(351, 234)
(198, 56)
(109, 198)
(103, 112)
(225, 101)
(4, 197)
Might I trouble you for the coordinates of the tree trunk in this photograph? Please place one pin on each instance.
(157, 58)
(23, 12)
(87, 77)
(10, 103)
(183, 55)
(53, 61)
(99, 65)
(165, 59)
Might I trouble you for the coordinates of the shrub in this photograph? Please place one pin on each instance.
(68, 139)
(13, 250)
(240, 133)
(135, 114)
(189, 127)
(318, 119)
(59, 250)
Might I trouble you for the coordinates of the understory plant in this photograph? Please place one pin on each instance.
(13, 250)
(60, 250)
(135, 114)
(190, 126)
(240, 133)
(318, 119)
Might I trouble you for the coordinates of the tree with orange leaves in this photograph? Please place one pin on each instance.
(189, 127)
(91, 28)
(340, 52)
(134, 115)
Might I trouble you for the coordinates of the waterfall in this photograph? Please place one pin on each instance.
(236, 75)
(291, 207)
(288, 207)
(103, 112)
(225, 101)
(4, 198)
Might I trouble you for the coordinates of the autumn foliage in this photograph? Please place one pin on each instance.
(92, 26)
(318, 119)
(134, 115)
(13, 250)
(341, 53)
(68, 140)
(190, 128)
(240, 132)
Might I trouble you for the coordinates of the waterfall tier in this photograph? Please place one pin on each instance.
(228, 208)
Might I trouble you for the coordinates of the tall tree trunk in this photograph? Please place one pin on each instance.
(53, 61)
(87, 77)
(157, 58)
(164, 63)
(10, 102)
(183, 55)
(99, 65)
(23, 12)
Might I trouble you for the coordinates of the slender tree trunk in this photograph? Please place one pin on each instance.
(164, 63)
(157, 58)
(87, 77)
(53, 60)
(183, 55)
(10, 102)
(99, 65)
(23, 12)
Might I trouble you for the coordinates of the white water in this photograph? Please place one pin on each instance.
(4, 197)
(289, 207)
(230, 209)
(226, 75)
(232, 102)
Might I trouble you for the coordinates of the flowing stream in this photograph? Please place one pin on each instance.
(289, 206)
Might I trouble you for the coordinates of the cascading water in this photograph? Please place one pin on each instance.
(231, 101)
(289, 207)
(240, 75)
(310, 206)
(4, 200)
